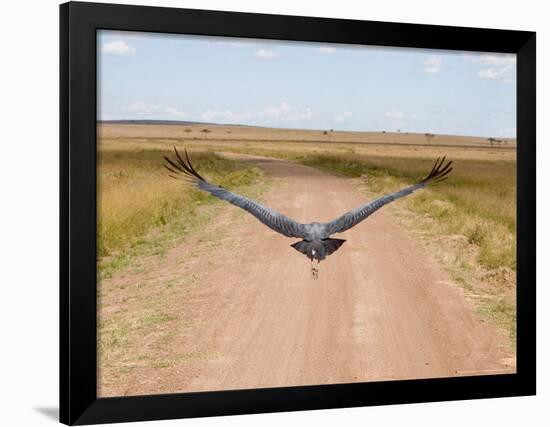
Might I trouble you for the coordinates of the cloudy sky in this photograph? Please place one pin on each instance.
(304, 85)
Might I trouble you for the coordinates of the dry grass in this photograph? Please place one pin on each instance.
(468, 223)
(142, 213)
(138, 204)
(246, 134)
(478, 201)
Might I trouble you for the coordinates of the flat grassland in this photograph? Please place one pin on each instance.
(467, 224)
(253, 134)
(140, 208)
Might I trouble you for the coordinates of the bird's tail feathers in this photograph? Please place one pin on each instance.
(331, 246)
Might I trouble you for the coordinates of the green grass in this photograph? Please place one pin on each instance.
(114, 334)
(477, 204)
(141, 209)
(477, 201)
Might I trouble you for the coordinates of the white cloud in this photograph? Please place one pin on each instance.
(272, 113)
(284, 113)
(496, 66)
(395, 114)
(489, 73)
(138, 107)
(305, 114)
(505, 74)
(507, 132)
(495, 59)
(175, 112)
(226, 115)
(266, 54)
(327, 50)
(210, 115)
(277, 110)
(118, 47)
(432, 65)
(344, 116)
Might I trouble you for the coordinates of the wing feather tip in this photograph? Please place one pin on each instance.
(438, 171)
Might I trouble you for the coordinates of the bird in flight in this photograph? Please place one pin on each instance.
(316, 242)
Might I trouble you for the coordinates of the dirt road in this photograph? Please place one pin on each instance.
(244, 311)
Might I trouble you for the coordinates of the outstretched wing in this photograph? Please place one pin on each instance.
(182, 168)
(354, 217)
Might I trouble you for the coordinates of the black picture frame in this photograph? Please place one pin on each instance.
(79, 22)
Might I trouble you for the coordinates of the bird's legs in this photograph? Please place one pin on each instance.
(315, 269)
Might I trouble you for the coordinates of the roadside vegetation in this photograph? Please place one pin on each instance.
(140, 207)
(478, 201)
(468, 222)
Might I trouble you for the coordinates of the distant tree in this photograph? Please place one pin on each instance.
(493, 141)
(429, 137)
(325, 132)
(383, 131)
(187, 130)
(206, 132)
(398, 130)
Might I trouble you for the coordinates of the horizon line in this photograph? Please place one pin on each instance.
(199, 123)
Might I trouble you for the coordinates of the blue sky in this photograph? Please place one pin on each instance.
(304, 85)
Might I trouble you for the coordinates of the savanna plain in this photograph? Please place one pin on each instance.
(195, 294)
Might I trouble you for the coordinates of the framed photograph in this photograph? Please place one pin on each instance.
(267, 213)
